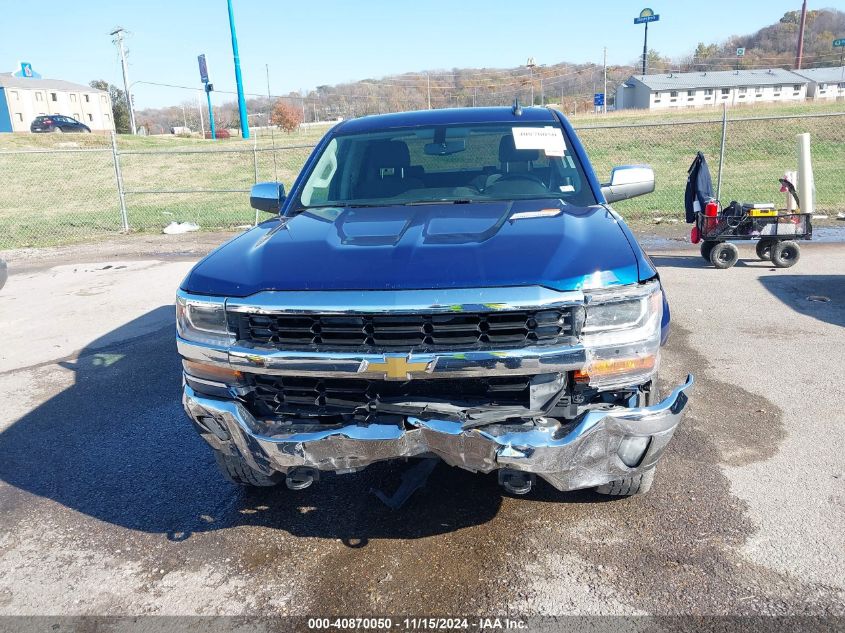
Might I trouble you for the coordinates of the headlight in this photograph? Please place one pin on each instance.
(622, 336)
(202, 321)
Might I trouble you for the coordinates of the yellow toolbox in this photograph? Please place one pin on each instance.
(759, 213)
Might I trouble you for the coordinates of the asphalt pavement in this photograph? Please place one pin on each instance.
(110, 504)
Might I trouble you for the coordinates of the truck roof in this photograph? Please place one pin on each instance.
(447, 116)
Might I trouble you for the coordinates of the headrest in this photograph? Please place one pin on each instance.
(509, 154)
(388, 154)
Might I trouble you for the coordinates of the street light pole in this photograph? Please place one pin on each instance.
(238, 78)
(118, 40)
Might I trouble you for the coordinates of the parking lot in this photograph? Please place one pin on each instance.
(110, 503)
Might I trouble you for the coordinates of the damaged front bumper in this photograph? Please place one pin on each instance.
(584, 453)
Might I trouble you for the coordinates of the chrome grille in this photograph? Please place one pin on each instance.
(375, 333)
(290, 394)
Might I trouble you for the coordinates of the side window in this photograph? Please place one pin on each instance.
(317, 188)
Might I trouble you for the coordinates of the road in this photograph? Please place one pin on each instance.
(111, 504)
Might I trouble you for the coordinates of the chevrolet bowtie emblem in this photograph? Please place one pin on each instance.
(397, 368)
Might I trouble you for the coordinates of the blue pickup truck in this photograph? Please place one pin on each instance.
(446, 284)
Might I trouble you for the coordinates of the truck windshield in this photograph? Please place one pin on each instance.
(421, 165)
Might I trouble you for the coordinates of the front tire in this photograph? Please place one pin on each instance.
(724, 255)
(236, 470)
(785, 254)
(706, 248)
(638, 484)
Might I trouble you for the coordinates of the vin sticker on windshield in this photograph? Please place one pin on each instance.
(549, 139)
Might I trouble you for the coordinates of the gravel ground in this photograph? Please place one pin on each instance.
(111, 505)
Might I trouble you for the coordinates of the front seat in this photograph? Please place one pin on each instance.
(386, 170)
(515, 167)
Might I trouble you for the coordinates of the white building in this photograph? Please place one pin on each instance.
(24, 98)
(825, 83)
(712, 88)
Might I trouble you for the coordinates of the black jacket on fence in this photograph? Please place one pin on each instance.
(699, 187)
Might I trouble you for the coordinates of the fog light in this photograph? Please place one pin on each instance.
(632, 450)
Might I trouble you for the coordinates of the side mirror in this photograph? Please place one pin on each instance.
(267, 196)
(628, 181)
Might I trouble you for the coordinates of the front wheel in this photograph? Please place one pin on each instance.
(638, 484)
(724, 255)
(706, 247)
(785, 254)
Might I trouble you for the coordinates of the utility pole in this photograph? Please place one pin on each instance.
(604, 102)
(530, 64)
(238, 79)
(800, 52)
(428, 84)
(118, 41)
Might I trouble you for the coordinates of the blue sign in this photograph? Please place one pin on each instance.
(839, 43)
(647, 18)
(598, 99)
(203, 68)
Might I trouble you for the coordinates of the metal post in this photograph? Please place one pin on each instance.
(722, 150)
(604, 102)
(119, 178)
(118, 40)
(428, 84)
(210, 113)
(238, 79)
(255, 168)
(645, 47)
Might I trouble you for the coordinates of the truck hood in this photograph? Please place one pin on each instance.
(424, 247)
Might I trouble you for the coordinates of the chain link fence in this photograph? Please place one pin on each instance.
(73, 193)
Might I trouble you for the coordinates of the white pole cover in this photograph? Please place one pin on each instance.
(806, 186)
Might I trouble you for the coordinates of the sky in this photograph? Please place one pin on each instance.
(307, 44)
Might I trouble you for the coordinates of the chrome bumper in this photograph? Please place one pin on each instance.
(579, 455)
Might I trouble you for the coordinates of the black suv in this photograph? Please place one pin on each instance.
(57, 123)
